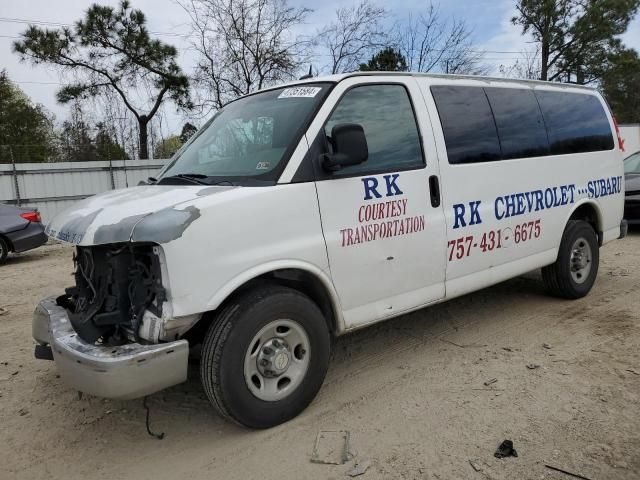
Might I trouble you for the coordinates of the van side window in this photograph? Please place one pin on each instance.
(386, 115)
(520, 124)
(576, 122)
(469, 129)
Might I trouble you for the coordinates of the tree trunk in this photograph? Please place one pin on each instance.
(544, 61)
(580, 77)
(143, 137)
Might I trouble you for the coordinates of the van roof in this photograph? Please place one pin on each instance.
(338, 77)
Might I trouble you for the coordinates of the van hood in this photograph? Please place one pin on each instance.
(147, 213)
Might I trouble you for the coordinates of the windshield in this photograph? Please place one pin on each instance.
(250, 138)
(632, 163)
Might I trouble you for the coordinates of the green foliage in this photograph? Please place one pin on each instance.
(386, 60)
(576, 37)
(621, 86)
(77, 141)
(76, 144)
(110, 48)
(107, 148)
(168, 147)
(24, 127)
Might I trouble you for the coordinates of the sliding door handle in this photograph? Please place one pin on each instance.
(434, 191)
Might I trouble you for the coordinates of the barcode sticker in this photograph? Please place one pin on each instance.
(300, 92)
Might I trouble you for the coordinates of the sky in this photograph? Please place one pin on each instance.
(488, 19)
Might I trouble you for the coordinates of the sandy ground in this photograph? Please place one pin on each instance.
(410, 392)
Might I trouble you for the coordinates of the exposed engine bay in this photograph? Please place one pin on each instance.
(114, 286)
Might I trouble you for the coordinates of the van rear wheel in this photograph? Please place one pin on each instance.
(574, 272)
(265, 357)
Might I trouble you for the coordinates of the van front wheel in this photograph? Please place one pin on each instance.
(574, 272)
(265, 357)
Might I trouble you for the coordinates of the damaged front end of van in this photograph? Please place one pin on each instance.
(112, 333)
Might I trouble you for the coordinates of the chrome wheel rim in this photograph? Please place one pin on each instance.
(581, 260)
(277, 360)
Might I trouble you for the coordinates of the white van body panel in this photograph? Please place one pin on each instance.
(237, 237)
(487, 182)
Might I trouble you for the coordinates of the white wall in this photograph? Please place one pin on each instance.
(52, 187)
(630, 133)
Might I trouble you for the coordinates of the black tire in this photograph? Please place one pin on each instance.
(558, 276)
(4, 250)
(222, 367)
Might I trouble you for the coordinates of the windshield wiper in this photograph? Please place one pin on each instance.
(190, 177)
(224, 182)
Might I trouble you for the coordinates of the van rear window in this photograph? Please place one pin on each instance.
(576, 123)
(487, 124)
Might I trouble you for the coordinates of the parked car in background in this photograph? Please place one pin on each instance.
(632, 189)
(20, 230)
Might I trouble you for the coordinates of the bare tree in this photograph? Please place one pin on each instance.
(528, 66)
(430, 42)
(353, 36)
(243, 45)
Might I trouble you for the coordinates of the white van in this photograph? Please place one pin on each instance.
(317, 208)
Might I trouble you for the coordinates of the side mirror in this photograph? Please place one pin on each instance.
(349, 147)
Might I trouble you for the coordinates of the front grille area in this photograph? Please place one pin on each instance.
(114, 285)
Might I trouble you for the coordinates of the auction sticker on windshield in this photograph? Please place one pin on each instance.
(300, 92)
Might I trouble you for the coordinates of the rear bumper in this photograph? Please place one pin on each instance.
(28, 238)
(122, 372)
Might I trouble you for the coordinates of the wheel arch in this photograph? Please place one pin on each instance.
(590, 212)
(8, 242)
(301, 276)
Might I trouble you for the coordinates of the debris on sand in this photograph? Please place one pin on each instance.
(490, 382)
(574, 475)
(359, 469)
(331, 447)
(533, 366)
(505, 449)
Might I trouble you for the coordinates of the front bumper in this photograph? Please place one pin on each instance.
(122, 372)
